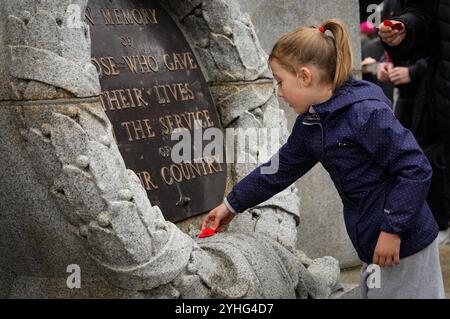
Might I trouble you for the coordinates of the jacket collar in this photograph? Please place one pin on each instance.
(351, 92)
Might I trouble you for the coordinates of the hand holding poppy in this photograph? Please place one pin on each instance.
(218, 218)
(392, 32)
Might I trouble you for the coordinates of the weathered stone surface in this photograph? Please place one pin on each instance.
(48, 42)
(183, 8)
(35, 90)
(265, 16)
(7, 279)
(148, 215)
(326, 268)
(248, 96)
(348, 291)
(130, 230)
(69, 138)
(28, 287)
(225, 42)
(110, 175)
(157, 271)
(251, 267)
(4, 54)
(34, 237)
(81, 192)
(41, 146)
(64, 73)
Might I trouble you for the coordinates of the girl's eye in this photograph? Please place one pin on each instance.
(277, 85)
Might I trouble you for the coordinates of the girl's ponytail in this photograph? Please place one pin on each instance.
(310, 45)
(344, 55)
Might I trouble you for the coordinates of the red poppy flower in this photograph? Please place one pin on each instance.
(207, 232)
(395, 26)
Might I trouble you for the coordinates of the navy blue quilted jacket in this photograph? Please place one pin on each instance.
(379, 170)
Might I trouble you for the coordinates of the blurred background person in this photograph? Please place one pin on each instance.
(424, 43)
(372, 50)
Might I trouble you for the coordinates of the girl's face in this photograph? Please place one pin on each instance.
(299, 91)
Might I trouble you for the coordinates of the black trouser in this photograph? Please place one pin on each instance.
(404, 111)
(436, 194)
(438, 197)
(444, 129)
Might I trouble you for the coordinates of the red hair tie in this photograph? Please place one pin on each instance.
(322, 29)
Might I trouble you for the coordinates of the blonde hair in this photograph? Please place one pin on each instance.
(308, 45)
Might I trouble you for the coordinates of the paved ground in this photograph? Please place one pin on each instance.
(351, 276)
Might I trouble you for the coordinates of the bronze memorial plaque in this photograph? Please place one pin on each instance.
(151, 85)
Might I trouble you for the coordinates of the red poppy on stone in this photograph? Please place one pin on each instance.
(322, 29)
(207, 232)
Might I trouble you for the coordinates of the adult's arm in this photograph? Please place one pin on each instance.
(421, 30)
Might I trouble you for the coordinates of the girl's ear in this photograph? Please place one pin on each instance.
(304, 77)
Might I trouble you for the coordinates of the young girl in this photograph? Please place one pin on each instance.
(376, 165)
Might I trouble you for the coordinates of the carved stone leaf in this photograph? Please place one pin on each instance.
(48, 166)
(108, 169)
(68, 138)
(131, 231)
(81, 191)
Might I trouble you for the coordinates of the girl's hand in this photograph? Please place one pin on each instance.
(218, 218)
(369, 61)
(387, 251)
(390, 36)
(383, 71)
(400, 75)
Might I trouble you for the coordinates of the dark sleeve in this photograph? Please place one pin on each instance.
(418, 17)
(290, 163)
(395, 149)
(387, 8)
(418, 69)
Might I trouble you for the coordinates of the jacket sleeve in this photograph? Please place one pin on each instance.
(421, 31)
(418, 69)
(394, 148)
(290, 163)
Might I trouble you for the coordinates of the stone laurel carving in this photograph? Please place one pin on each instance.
(76, 157)
(79, 160)
(46, 44)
